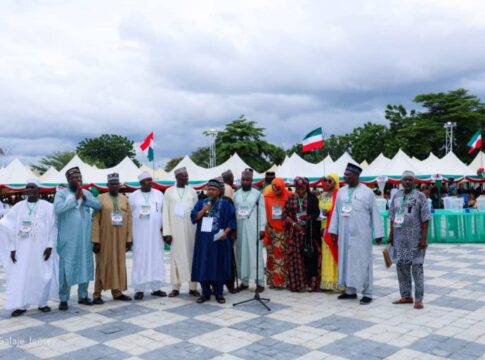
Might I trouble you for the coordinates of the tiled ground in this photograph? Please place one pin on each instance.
(304, 326)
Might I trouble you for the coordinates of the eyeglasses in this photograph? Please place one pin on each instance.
(328, 181)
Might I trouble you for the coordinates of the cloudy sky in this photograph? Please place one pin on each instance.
(80, 68)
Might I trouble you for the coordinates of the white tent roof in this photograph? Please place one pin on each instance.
(51, 172)
(127, 170)
(378, 166)
(364, 164)
(198, 173)
(448, 165)
(15, 173)
(477, 162)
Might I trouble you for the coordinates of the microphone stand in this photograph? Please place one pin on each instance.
(256, 296)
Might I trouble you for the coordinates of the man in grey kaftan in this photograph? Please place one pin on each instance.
(355, 222)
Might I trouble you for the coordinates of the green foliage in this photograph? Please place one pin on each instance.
(58, 160)
(170, 165)
(369, 141)
(241, 136)
(201, 156)
(106, 151)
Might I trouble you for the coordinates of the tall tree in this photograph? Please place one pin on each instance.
(201, 156)
(170, 165)
(106, 151)
(58, 160)
(241, 136)
(368, 141)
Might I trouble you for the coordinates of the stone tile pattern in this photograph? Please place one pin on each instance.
(304, 325)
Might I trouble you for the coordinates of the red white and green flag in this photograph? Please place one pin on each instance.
(147, 147)
(313, 140)
(476, 142)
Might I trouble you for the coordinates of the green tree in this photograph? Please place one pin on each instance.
(58, 160)
(420, 132)
(368, 141)
(241, 136)
(170, 165)
(201, 156)
(106, 151)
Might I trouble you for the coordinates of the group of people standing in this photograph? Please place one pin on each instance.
(312, 242)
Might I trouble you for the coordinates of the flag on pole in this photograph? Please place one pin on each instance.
(147, 146)
(476, 142)
(313, 140)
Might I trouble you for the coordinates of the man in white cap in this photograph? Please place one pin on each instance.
(356, 221)
(73, 206)
(31, 262)
(111, 240)
(179, 231)
(148, 269)
(409, 215)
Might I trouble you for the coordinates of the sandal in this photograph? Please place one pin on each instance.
(220, 299)
(418, 305)
(403, 300)
(203, 299)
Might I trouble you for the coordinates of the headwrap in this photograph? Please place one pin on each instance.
(113, 176)
(408, 173)
(180, 171)
(143, 176)
(299, 181)
(281, 184)
(354, 169)
(335, 179)
(34, 181)
(214, 183)
(72, 171)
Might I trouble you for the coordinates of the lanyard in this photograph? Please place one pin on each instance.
(31, 208)
(146, 196)
(181, 197)
(350, 192)
(245, 198)
(114, 200)
(300, 203)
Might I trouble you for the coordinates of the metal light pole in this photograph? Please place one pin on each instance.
(449, 126)
(213, 133)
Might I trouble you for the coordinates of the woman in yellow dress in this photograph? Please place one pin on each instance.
(329, 278)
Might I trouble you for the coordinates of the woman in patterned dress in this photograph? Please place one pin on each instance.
(274, 237)
(301, 217)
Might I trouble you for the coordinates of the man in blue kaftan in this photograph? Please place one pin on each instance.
(73, 209)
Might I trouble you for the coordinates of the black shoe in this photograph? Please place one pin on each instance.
(203, 299)
(18, 312)
(85, 301)
(174, 293)
(194, 293)
(220, 299)
(45, 309)
(63, 306)
(159, 293)
(139, 295)
(122, 297)
(98, 301)
(365, 300)
(346, 296)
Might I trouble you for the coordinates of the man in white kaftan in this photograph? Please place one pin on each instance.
(179, 231)
(356, 222)
(249, 204)
(148, 271)
(28, 253)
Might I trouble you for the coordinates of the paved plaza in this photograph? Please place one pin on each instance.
(299, 326)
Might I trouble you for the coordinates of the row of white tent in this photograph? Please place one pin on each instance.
(15, 174)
